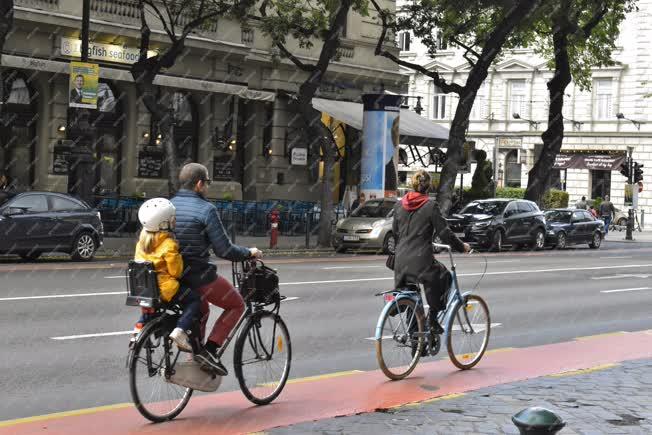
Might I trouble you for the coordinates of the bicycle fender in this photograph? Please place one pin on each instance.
(388, 306)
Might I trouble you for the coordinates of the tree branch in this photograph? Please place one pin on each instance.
(594, 21)
(434, 75)
(466, 53)
(151, 4)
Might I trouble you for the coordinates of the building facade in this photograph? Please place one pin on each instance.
(227, 93)
(511, 110)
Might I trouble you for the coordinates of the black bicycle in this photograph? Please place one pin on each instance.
(162, 378)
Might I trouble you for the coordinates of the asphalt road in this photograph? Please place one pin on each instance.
(48, 364)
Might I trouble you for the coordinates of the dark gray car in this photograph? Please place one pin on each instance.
(34, 223)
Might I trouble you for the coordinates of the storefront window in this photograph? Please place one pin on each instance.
(600, 183)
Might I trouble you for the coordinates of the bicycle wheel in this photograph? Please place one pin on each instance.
(155, 397)
(262, 357)
(401, 340)
(468, 331)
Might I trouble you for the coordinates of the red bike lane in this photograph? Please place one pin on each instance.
(355, 392)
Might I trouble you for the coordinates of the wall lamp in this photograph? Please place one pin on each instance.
(529, 121)
(637, 124)
(61, 128)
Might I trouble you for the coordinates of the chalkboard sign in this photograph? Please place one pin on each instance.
(223, 168)
(60, 160)
(150, 164)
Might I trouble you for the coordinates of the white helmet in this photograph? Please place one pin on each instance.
(156, 214)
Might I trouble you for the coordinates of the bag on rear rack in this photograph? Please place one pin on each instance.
(142, 285)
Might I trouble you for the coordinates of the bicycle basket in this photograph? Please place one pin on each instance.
(142, 285)
(260, 285)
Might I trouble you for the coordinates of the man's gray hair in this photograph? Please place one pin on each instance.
(191, 174)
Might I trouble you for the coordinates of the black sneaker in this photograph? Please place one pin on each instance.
(435, 327)
(211, 362)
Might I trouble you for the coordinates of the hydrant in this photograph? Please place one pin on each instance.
(274, 220)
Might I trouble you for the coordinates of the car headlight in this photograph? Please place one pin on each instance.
(482, 224)
(551, 232)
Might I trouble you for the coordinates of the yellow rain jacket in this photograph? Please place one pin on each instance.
(167, 263)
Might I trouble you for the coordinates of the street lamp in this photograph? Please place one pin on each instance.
(637, 124)
(417, 108)
(529, 121)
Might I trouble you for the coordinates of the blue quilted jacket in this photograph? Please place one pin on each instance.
(199, 229)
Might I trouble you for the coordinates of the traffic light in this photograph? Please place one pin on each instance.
(624, 168)
(638, 172)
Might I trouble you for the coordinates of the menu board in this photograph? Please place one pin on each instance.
(150, 164)
(60, 160)
(223, 168)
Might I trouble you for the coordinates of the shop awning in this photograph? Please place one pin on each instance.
(594, 162)
(414, 129)
(59, 67)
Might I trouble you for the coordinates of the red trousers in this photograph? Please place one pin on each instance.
(222, 294)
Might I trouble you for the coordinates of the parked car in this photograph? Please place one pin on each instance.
(493, 223)
(33, 223)
(368, 226)
(568, 227)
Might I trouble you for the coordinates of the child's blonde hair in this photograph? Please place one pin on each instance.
(146, 241)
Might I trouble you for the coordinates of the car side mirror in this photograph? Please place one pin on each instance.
(11, 211)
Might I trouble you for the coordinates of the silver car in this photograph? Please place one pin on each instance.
(369, 226)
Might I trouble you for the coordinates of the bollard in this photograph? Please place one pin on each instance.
(307, 230)
(642, 225)
(232, 226)
(273, 234)
(537, 421)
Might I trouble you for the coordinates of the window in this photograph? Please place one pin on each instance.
(442, 44)
(517, 97)
(511, 209)
(580, 216)
(19, 93)
(587, 216)
(524, 207)
(603, 98)
(35, 203)
(600, 183)
(512, 169)
(481, 104)
(58, 203)
(439, 105)
(404, 41)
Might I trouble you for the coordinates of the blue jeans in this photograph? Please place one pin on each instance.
(607, 222)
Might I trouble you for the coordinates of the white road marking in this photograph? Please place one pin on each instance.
(115, 277)
(74, 295)
(291, 298)
(620, 277)
(101, 334)
(615, 257)
(351, 267)
(626, 290)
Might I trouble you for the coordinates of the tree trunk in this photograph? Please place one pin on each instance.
(6, 24)
(539, 176)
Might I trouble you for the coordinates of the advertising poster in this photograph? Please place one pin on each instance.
(380, 137)
(83, 85)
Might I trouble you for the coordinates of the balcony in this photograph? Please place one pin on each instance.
(46, 5)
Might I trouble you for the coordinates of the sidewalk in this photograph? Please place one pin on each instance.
(610, 399)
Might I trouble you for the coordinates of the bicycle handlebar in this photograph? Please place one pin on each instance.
(441, 246)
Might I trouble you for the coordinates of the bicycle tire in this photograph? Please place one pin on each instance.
(383, 363)
(145, 344)
(252, 331)
(468, 359)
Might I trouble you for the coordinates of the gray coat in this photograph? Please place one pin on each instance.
(414, 231)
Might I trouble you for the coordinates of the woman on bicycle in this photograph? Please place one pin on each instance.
(417, 219)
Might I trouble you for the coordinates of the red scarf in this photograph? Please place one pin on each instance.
(414, 201)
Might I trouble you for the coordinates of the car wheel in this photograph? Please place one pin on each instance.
(389, 245)
(561, 241)
(84, 247)
(622, 222)
(596, 241)
(539, 241)
(30, 256)
(497, 242)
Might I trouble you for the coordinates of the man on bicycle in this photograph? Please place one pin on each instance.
(417, 219)
(198, 230)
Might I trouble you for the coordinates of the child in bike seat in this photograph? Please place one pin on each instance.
(158, 245)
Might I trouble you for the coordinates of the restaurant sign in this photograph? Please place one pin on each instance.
(594, 162)
(104, 52)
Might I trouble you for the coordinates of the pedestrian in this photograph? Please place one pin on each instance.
(417, 219)
(581, 204)
(199, 230)
(593, 212)
(607, 211)
(157, 245)
(358, 201)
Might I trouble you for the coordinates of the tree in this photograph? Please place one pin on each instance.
(577, 35)
(6, 26)
(307, 22)
(482, 29)
(179, 18)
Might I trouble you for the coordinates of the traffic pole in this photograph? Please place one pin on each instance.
(630, 181)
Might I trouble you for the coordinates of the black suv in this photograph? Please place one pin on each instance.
(32, 223)
(491, 223)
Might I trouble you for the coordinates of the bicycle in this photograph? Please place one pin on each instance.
(262, 349)
(465, 320)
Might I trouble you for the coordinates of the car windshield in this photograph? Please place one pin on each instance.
(373, 209)
(558, 216)
(493, 208)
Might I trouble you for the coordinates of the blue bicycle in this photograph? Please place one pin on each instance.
(402, 336)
